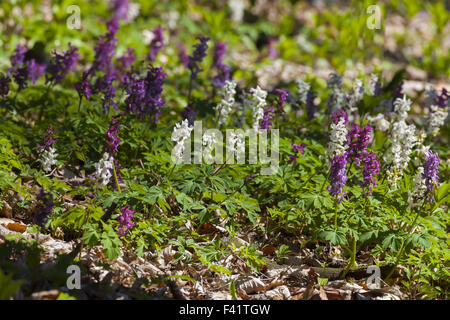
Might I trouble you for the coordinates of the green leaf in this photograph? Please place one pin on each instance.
(232, 288)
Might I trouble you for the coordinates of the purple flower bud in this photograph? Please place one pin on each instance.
(443, 98)
(266, 122)
(120, 8)
(283, 98)
(223, 70)
(35, 70)
(19, 70)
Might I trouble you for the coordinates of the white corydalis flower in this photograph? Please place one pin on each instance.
(48, 159)
(380, 123)
(103, 169)
(259, 102)
(336, 97)
(181, 132)
(355, 95)
(209, 142)
(302, 91)
(372, 86)
(226, 104)
(436, 119)
(402, 107)
(403, 139)
(338, 139)
(418, 190)
(236, 145)
(237, 8)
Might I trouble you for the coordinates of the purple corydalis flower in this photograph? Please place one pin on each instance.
(156, 44)
(336, 116)
(124, 62)
(83, 87)
(442, 100)
(190, 114)
(48, 139)
(370, 170)
(43, 209)
(358, 140)
(61, 64)
(431, 172)
(197, 56)
(296, 149)
(35, 70)
(105, 49)
(105, 85)
(310, 106)
(4, 85)
(282, 98)
(112, 139)
(120, 8)
(19, 70)
(182, 55)
(125, 220)
(266, 122)
(338, 177)
(273, 52)
(223, 70)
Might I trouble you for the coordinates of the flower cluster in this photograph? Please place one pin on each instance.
(181, 132)
(209, 142)
(43, 209)
(47, 151)
(144, 94)
(190, 114)
(370, 170)
(296, 148)
(282, 99)
(223, 74)
(336, 97)
(61, 64)
(236, 145)
(4, 85)
(103, 169)
(112, 139)
(380, 123)
(266, 122)
(437, 119)
(21, 70)
(258, 103)
(197, 56)
(338, 177)
(156, 44)
(338, 134)
(430, 172)
(302, 90)
(356, 94)
(226, 104)
(403, 139)
(310, 106)
(125, 220)
(358, 140)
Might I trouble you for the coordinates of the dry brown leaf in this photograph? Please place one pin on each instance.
(269, 250)
(323, 294)
(17, 227)
(251, 285)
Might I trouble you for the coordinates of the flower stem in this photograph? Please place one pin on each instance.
(115, 177)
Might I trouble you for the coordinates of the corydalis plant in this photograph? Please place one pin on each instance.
(198, 56)
(181, 132)
(225, 105)
(43, 209)
(338, 177)
(223, 71)
(125, 220)
(337, 144)
(47, 153)
(156, 44)
(296, 148)
(61, 64)
(258, 105)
